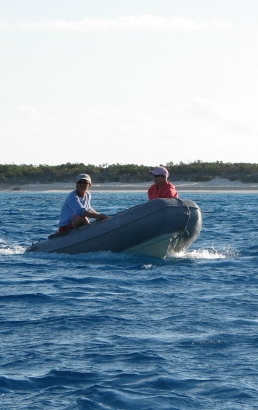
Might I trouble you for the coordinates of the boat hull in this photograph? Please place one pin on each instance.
(152, 228)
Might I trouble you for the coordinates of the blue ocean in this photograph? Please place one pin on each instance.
(105, 331)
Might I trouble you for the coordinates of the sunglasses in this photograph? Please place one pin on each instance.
(157, 176)
(83, 182)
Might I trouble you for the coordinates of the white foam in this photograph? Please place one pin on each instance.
(210, 253)
(7, 249)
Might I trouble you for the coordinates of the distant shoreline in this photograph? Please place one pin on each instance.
(217, 184)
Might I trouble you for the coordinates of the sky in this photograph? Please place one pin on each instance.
(145, 82)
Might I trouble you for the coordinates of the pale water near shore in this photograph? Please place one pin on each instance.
(217, 184)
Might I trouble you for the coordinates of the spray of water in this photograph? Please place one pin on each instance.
(7, 249)
(209, 253)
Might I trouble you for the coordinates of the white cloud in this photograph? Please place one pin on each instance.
(127, 22)
(28, 110)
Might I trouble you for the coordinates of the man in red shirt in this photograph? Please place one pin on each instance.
(161, 187)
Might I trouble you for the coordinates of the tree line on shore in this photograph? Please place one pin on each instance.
(197, 171)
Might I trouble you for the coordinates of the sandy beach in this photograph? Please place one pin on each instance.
(217, 184)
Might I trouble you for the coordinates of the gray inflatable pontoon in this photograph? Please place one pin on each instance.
(153, 228)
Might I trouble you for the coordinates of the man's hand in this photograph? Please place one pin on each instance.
(101, 217)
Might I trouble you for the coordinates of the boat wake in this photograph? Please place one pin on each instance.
(7, 249)
(209, 253)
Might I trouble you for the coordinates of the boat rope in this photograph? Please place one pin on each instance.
(184, 229)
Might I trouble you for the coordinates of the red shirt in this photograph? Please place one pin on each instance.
(167, 190)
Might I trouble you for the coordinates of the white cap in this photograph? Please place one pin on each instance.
(160, 171)
(86, 177)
